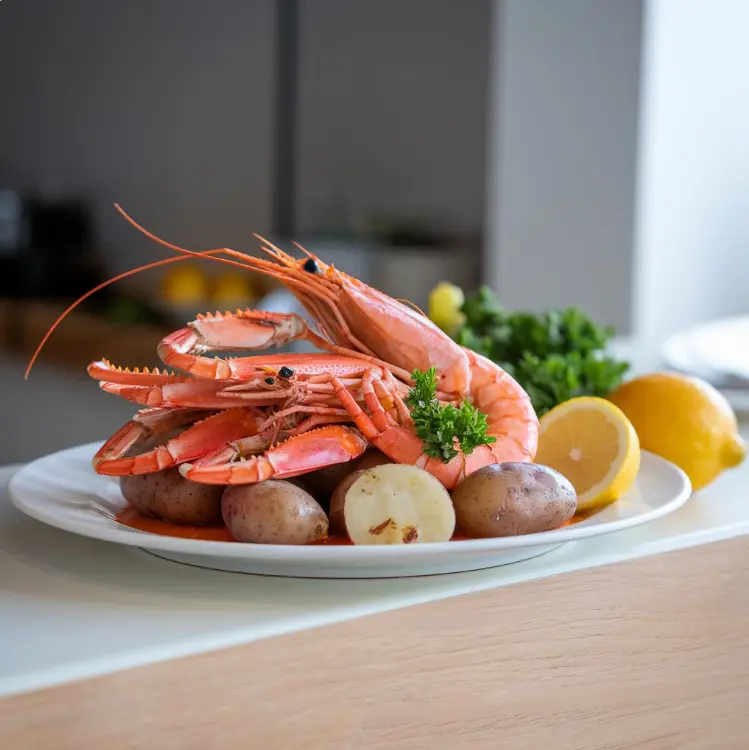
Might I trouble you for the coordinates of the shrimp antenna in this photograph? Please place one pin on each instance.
(273, 250)
(305, 251)
(151, 236)
(212, 254)
(99, 287)
(412, 305)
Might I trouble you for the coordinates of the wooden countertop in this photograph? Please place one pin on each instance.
(639, 639)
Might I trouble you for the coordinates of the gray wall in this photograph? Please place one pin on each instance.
(393, 109)
(561, 185)
(165, 106)
(162, 106)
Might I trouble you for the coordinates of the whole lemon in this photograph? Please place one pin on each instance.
(684, 420)
(445, 301)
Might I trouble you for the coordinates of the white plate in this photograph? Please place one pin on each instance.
(62, 490)
(718, 352)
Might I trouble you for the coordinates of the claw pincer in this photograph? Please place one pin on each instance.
(298, 455)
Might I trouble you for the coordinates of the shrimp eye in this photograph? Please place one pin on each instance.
(270, 381)
(310, 265)
(286, 373)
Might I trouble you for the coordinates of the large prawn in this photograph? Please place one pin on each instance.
(357, 323)
(366, 322)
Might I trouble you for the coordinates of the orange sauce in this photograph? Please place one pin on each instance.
(137, 520)
(334, 541)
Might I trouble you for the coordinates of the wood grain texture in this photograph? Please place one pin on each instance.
(652, 654)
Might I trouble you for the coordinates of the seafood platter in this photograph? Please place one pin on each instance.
(399, 447)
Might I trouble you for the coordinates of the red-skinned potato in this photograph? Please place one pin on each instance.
(273, 512)
(169, 496)
(509, 499)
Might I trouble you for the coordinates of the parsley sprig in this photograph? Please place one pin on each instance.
(555, 356)
(439, 425)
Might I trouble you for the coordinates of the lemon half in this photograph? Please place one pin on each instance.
(592, 443)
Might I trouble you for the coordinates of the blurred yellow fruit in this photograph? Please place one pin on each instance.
(233, 289)
(445, 301)
(185, 284)
(685, 420)
(592, 443)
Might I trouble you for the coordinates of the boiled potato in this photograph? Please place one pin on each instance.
(396, 504)
(323, 482)
(371, 459)
(513, 498)
(171, 497)
(337, 501)
(273, 512)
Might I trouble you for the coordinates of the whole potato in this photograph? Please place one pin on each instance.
(171, 497)
(509, 499)
(273, 512)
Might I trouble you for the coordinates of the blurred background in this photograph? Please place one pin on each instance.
(564, 152)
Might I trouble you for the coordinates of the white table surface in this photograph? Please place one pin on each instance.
(72, 607)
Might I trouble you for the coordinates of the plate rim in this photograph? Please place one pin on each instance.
(673, 348)
(126, 536)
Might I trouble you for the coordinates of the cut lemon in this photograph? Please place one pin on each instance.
(592, 443)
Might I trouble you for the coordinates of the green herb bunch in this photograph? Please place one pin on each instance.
(438, 425)
(555, 356)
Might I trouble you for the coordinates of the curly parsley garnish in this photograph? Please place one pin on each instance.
(438, 425)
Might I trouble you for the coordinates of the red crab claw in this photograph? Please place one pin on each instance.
(103, 369)
(199, 439)
(244, 330)
(316, 449)
(198, 394)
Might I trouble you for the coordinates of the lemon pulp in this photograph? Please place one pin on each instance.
(592, 443)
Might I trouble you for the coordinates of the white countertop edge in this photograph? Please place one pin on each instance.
(97, 667)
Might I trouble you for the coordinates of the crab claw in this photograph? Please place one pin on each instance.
(199, 439)
(104, 370)
(198, 394)
(244, 330)
(316, 449)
